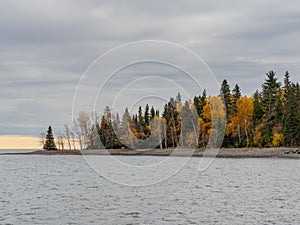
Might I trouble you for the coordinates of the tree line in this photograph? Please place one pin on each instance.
(269, 118)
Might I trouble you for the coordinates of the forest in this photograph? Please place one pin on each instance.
(268, 118)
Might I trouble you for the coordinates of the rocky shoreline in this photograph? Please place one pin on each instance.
(219, 153)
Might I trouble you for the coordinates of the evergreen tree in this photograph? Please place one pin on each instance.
(279, 107)
(49, 142)
(172, 118)
(258, 111)
(270, 93)
(203, 99)
(227, 101)
(140, 120)
(291, 121)
(270, 103)
(236, 92)
(152, 113)
(236, 95)
(107, 134)
(178, 99)
(146, 115)
(188, 122)
(197, 104)
(226, 96)
(200, 102)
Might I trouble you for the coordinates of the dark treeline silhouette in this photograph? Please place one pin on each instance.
(269, 118)
(48, 143)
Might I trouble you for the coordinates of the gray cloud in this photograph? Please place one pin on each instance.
(45, 46)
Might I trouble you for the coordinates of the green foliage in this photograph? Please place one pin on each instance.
(199, 103)
(226, 96)
(107, 134)
(291, 128)
(146, 115)
(258, 111)
(173, 122)
(270, 92)
(152, 113)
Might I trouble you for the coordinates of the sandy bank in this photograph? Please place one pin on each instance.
(222, 153)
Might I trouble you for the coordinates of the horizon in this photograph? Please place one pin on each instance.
(43, 57)
(19, 142)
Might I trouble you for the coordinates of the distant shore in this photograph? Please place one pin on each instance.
(283, 152)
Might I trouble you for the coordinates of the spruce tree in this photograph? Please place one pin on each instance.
(49, 142)
(146, 115)
(152, 113)
(236, 94)
(226, 96)
(270, 93)
(258, 111)
(291, 121)
(178, 98)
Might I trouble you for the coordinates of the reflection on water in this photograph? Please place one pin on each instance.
(38, 189)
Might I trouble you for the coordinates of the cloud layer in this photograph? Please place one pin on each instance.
(45, 46)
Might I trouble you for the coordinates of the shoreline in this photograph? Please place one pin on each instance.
(282, 152)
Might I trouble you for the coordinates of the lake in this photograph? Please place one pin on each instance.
(39, 189)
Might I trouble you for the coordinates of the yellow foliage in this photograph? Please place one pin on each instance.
(245, 112)
(206, 111)
(257, 139)
(217, 109)
(191, 139)
(179, 107)
(232, 127)
(213, 114)
(277, 140)
(214, 109)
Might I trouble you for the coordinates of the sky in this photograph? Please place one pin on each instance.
(47, 46)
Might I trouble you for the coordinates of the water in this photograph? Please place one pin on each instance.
(38, 189)
(2, 151)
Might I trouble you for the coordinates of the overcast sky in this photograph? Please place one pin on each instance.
(46, 46)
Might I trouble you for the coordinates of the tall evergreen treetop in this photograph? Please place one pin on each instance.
(270, 92)
(178, 98)
(226, 96)
(49, 142)
(236, 92)
(152, 113)
(146, 115)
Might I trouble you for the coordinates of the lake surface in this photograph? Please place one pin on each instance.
(37, 189)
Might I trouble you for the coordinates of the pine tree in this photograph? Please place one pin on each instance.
(49, 142)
